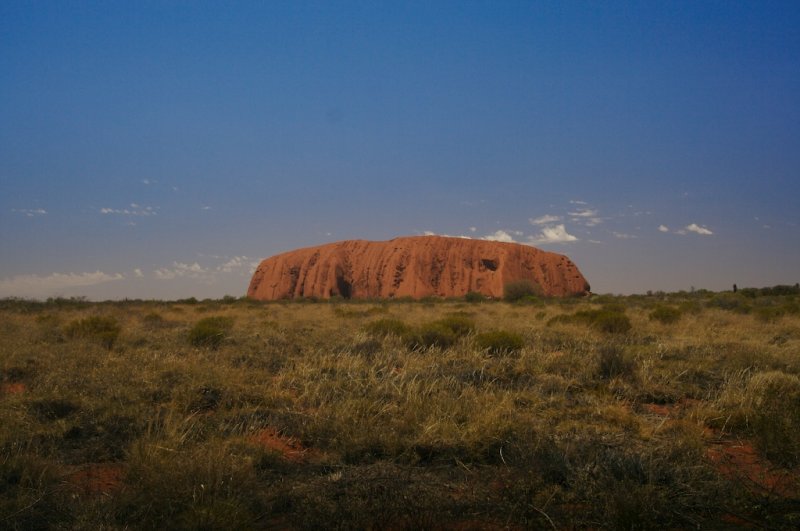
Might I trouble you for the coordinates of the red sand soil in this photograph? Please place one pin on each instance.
(417, 267)
(16, 388)
(739, 461)
(98, 479)
(288, 447)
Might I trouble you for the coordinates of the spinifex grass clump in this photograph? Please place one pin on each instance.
(102, 329)
(210, 331)
(774, 399)
(499, 342)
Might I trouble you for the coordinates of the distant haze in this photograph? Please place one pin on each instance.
(161, 150)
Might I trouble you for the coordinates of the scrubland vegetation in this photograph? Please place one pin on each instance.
(643, 412)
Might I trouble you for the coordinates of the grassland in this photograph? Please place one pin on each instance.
(660, 411)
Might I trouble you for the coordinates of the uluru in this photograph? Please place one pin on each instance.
(413, 266)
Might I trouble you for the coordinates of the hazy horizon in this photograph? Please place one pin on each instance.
(161, 150)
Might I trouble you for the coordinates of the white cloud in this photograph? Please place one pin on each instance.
(149, 181)
(623, 236)
(134, 210)
(50, 285)
(663, 228)
(544, 220)
(473, 229)
(694, 227)
(30, 212)
(500, 236)
(138, 273)
(553, 234)
(576, 202)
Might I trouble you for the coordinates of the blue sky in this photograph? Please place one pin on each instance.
(160, 149)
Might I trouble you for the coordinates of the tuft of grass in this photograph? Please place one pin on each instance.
(774, 400)
(105, 330)
(614, 364)
(210, 331)
(499, 342)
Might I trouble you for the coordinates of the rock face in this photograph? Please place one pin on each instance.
(417, 266)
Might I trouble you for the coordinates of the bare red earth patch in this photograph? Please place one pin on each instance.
(16, 388)
(739, 461)
(98, 479)
(288, 447)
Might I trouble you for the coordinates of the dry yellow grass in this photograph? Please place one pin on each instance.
(388, 434)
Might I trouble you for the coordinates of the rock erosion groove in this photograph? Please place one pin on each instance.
(414, 266)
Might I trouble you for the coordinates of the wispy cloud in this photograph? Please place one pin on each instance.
(180, 269)
(553, 234)
(138, 273)
(663, 228)
(624, 236)
(586, 216)
(241, 265)
(694, 227)
(544, 220)
(30, 212)
(134, 210)
(585, 213)
(149, 181)
(577, 202)
(50, 285)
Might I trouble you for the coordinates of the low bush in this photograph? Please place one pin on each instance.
(460, 325)
(432, 335)
(665, 314)
(520, 290)
(607, 319)
(210, 331)
(500, 342)
(102, 329)
(387, 327)
(474, 296)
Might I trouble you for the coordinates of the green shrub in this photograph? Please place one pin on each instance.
(460, 325)
(210, 331)
(102, 329)
(608, 319)
(519, 290)
(500, 342)
(474, 296)
(432, 335)
(730, 302)
(665, 314)
(153, 320)
(387, 327)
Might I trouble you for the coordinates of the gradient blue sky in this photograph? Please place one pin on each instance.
(160, 149)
